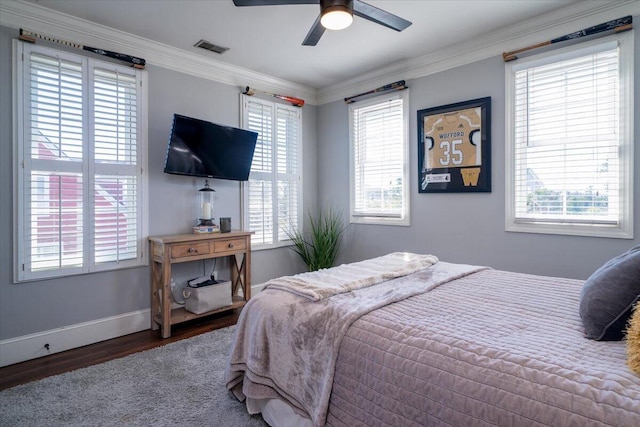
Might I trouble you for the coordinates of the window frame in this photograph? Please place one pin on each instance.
(371, 217)
(277, 242)
(623, 228)
(88, 167)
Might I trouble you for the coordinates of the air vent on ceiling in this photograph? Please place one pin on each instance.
(210, 46)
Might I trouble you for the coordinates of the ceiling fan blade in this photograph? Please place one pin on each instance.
(272, 2)
(379, 16)
(314, 34)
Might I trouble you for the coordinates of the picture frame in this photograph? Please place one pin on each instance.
(454, 147)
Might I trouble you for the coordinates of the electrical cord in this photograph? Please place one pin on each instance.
(213, 267)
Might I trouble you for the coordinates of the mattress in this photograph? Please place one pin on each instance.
(488, 348)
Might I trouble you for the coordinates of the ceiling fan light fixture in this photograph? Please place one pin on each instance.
(336, 17)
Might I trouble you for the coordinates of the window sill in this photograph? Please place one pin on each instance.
(606, 231)
(370, 220)
(256, 247)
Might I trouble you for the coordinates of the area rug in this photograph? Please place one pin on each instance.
(180, 384)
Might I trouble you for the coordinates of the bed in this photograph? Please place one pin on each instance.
(406, 339)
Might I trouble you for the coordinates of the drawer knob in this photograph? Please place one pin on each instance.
(193, 250)
(231, 245)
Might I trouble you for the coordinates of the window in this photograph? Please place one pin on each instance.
(80, 155)
(569, 141)
(379, 153)
(273, 195)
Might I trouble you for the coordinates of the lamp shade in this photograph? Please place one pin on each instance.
(205, 204)
(336, 17)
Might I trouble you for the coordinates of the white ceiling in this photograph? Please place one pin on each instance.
(265, 42)
(267, 39)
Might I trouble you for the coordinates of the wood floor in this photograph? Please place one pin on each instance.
(104, 351)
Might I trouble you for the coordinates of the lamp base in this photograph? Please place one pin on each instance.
(205, 222)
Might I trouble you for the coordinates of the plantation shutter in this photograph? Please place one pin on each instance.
(80, 185)
(54, 189)
(378, 159)
(115, 192)
(287, 166)
(260, 119)
(274, 192)
(567, 138)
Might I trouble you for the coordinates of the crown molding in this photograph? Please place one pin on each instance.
(545, 27)
(18, 14)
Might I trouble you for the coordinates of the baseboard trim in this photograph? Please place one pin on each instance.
(256, 288)
(27, 347)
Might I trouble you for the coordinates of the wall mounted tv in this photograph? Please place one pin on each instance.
(201, 148)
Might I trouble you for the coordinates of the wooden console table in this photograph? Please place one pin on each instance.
(172, 249)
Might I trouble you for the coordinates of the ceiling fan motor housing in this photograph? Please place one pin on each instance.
(346, 5)
(327, 3)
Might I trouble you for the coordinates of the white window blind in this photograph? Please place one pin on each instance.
(570, 142)
(115, 192)
(274, 191)
(379, 153)
(80, 152)
(288, 169)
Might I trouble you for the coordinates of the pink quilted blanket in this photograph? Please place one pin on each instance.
(286, 344)
(493, 348)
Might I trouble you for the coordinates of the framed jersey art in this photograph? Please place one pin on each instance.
(454, 147)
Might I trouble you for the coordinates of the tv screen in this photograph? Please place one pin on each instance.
(201, 148)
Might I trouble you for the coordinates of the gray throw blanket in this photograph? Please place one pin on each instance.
(286, 344)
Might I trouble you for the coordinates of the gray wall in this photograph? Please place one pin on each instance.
(32, 307)
(465, 228)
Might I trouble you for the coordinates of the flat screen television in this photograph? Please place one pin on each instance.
(200, 148)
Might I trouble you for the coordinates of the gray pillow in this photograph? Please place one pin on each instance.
(608, 296)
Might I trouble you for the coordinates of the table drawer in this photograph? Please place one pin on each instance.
(190, 249)
(229, 245)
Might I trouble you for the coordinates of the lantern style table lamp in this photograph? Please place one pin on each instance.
(205, 204)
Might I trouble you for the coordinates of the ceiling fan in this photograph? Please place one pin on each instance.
(336, 15)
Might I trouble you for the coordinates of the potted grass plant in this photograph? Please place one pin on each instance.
(318, 248)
